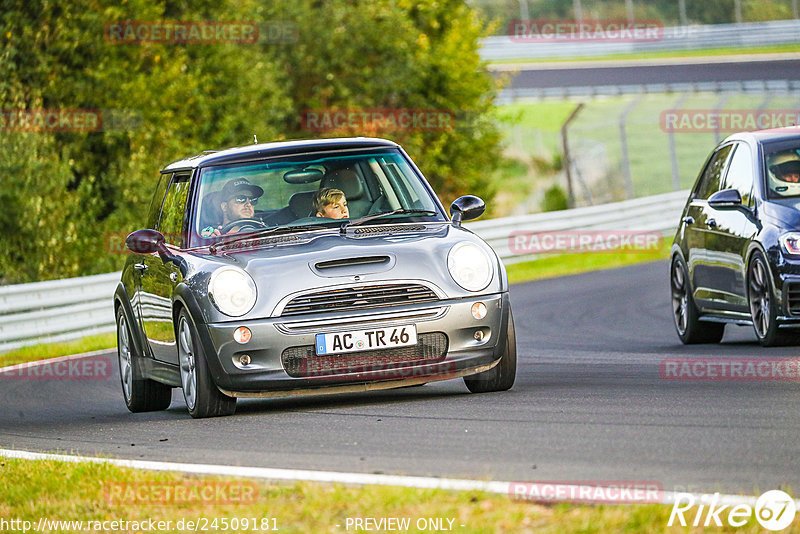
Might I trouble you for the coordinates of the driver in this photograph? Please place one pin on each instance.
(238, 200)
(784, 172)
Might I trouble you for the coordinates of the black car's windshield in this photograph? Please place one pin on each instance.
(310, 190)
(782, 163)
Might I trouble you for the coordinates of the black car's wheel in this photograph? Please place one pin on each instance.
(501, 376)
(763, 304)
(141, 394)
(202, 396)
(684, 311)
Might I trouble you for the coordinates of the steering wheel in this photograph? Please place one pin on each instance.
(242, 224)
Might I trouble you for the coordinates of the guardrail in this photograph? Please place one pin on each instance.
(61, 310)
(697, 37)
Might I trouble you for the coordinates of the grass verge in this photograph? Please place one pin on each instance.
(54, 350)
(97, 493)
(662, 54)
(564, 264)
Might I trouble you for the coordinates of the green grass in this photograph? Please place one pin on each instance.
(565, 264)
(82, 491)
(53, 350)
(706, 52)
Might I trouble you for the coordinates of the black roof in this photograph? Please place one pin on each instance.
(282, 148)
(768, 136)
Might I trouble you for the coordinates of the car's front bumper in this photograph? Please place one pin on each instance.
(266, 374)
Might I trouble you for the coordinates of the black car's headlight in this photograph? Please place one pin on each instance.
(232, 291)
(790, 243)
(470, 266)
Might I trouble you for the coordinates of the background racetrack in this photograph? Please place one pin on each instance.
(588, 405)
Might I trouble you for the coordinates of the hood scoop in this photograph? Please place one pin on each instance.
(356, 265)
(383, 229)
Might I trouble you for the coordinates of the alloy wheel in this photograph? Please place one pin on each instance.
(187, 363)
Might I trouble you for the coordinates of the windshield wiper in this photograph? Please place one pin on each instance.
(264, 232)
(367, 218)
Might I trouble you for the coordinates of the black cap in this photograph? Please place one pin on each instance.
(238, 186)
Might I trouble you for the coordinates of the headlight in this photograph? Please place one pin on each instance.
(232, 291)
(470, 266)
(791, 243)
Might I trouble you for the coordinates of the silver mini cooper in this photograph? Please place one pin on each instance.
(306, 267)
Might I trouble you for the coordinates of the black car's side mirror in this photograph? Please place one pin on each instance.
(146, 242)
(466, 208)
(727, 198)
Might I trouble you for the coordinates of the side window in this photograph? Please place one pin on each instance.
(740, 173)
(158, 200)
(710, 181)
(170, 223)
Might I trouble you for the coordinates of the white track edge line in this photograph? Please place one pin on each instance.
(498, 487)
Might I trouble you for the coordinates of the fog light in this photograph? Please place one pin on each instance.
(479, 335)
(479, 310)
(242, 335)
(244, 359)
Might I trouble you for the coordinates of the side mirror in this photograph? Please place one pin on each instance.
(145, 242)
(725, 199)
(466, 208)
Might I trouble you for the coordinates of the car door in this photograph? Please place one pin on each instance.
(159, 278)
(698, 226)
(727, 235)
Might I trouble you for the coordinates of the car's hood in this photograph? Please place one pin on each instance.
(784, 213)
(308, 261)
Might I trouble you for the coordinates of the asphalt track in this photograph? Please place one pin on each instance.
(589, 405)
(585, 75)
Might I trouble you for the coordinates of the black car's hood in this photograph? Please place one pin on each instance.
(783, 212)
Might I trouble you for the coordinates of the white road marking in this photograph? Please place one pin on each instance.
(498, 487)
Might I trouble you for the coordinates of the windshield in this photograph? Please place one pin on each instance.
(783, 169)
(301, 192)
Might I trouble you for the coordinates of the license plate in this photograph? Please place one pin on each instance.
(378, 338)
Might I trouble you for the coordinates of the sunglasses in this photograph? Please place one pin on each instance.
(241, 200)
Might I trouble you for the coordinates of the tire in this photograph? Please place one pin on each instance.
(685, 315)
(763, 304)
(501, 376)
(140, 394)
(203, 399)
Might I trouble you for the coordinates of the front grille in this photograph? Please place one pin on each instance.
(354, 298)
(793, 298)
(302, 362)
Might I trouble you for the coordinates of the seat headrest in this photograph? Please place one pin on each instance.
(347, 181)
(301, 203)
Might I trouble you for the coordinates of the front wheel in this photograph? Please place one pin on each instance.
(500, 377)
(763, 304)
(684, 311)
(201, 394)
(141, 394)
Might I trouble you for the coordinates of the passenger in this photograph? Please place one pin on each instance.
(331, 203)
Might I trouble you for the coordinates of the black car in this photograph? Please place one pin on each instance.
(736, 255)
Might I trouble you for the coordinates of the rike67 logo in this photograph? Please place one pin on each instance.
(774, 510)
